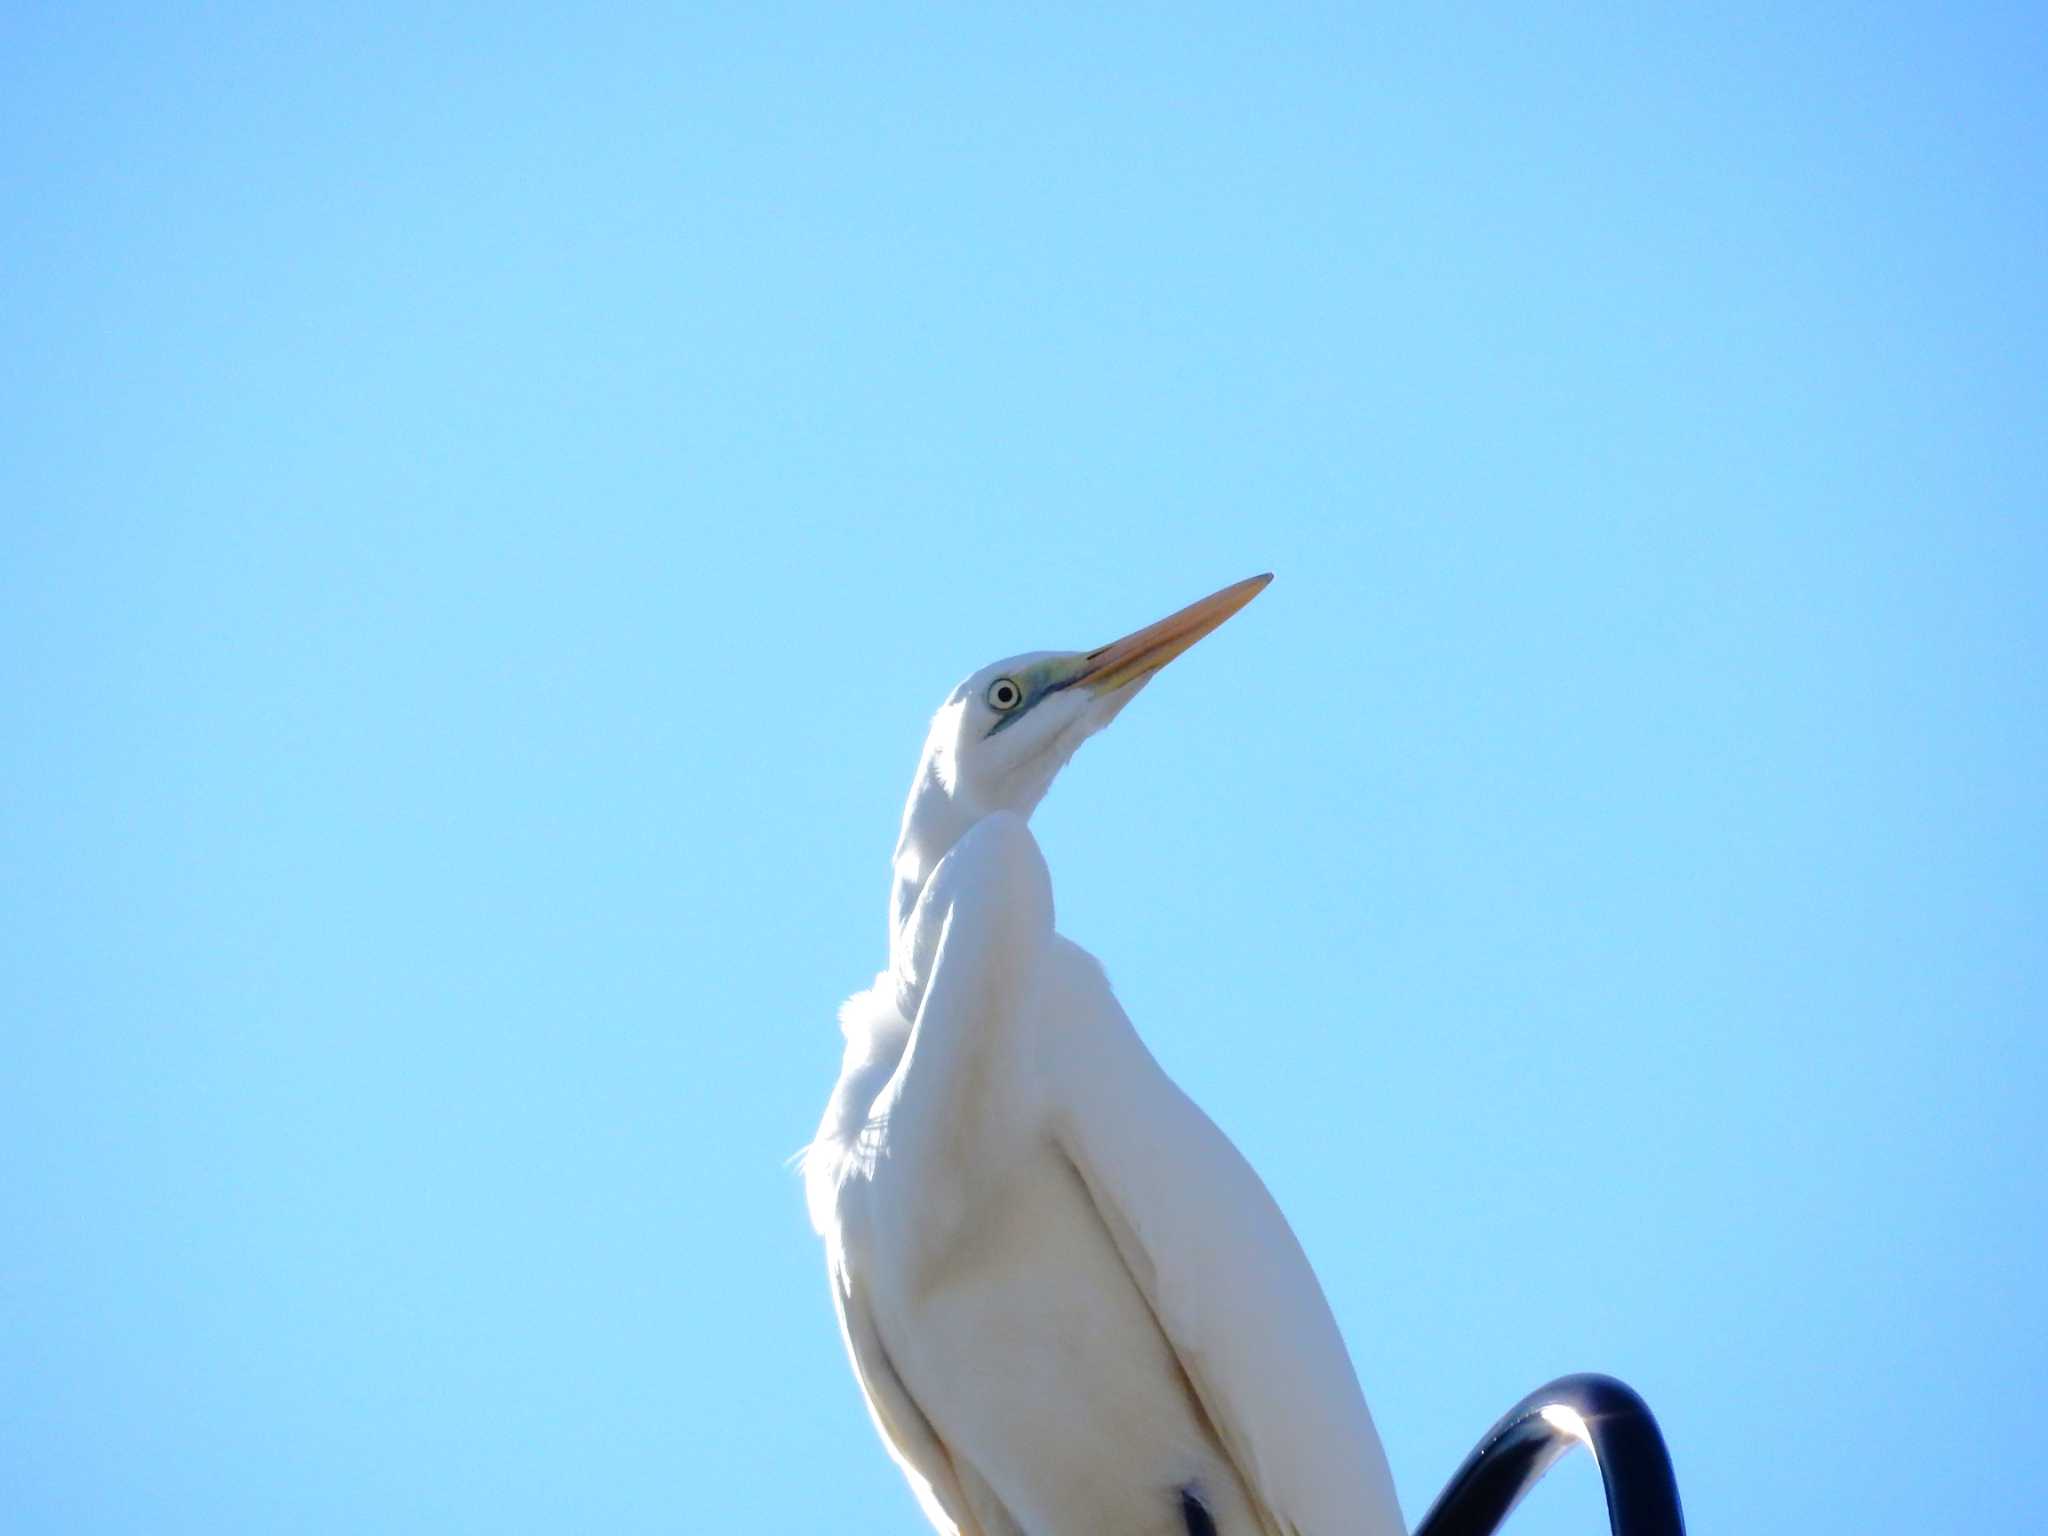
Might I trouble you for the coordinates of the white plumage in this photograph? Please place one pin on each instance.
(1071, 1304)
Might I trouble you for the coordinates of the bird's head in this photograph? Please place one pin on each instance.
(1003, 734)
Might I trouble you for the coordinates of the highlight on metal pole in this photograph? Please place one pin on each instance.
(1598, 1412)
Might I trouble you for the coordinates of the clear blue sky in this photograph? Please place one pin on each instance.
(489, 497)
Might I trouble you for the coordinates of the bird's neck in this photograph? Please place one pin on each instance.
(934, 818)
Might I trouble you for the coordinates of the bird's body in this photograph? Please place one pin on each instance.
(1073, 1308)
(998, 1300)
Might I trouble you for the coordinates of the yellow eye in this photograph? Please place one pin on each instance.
(1004, 695)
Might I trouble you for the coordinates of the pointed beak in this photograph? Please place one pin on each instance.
(1141, 654)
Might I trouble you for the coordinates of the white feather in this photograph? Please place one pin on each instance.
(1062, 1287)
(1071, 1305)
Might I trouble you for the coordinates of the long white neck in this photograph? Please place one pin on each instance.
(945, 802)
(934, 819)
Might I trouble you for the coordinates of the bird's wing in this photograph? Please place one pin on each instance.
(911, 1441)
(1228, 1282)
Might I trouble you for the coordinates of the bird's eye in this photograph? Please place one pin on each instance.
(1004, 695)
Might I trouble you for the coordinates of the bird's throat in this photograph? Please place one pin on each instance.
(934, 819)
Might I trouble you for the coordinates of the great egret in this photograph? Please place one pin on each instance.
(1073, 1307)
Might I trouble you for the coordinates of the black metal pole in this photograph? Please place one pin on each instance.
(1598, 1412)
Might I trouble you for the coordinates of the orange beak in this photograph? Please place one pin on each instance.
(1144, 652)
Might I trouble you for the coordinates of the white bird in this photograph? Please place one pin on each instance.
(1071, 1304)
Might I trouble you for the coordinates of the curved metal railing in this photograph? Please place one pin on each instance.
(1598, 1412)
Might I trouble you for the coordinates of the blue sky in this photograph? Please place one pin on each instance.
(489, 497)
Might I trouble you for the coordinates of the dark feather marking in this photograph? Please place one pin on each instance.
(1194, 1516)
